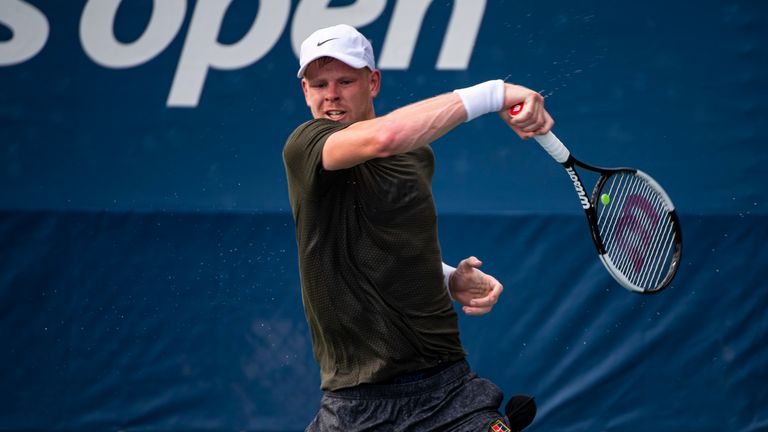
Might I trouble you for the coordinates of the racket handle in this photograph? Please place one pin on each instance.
(553, 146)
(548, 141)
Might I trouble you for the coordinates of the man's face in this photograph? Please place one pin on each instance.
(339, 92)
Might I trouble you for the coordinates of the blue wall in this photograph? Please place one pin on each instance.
(148, 274)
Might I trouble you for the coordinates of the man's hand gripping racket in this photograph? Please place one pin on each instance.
(633, 222)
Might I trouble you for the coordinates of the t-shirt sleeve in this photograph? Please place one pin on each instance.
(303, 154)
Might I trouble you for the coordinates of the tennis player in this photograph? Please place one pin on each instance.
(376, 295)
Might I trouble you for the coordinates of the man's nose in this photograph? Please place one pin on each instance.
(332, 92)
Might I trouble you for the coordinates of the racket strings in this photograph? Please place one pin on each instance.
(639, 236)
(637, 231)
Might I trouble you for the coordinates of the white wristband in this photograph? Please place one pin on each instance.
(447, 272)
(482, 98)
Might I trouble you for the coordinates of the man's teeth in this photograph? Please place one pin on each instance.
(335, 113)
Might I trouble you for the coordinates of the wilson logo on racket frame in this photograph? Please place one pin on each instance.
(585, 204)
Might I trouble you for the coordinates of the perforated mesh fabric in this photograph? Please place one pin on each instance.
(370, 262)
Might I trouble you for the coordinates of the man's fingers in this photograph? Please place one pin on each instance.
(532, 120)
(492, 298)
(537, 122)
(487, 301)
(475, 311)
(470, 263)
(548, 124)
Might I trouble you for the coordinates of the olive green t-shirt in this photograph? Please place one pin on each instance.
(369, 261)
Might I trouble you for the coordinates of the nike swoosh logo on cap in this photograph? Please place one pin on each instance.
(327, 40)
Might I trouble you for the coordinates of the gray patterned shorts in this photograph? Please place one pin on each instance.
(454, 399)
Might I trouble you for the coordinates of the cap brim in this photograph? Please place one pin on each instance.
(348, 60)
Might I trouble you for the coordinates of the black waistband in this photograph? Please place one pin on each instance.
(419, 375)
(410, 383)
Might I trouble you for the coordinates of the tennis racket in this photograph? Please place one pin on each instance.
(633, 222)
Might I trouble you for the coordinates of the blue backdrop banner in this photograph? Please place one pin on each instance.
(148, 272)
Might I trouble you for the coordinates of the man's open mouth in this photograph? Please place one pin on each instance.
(335, 114)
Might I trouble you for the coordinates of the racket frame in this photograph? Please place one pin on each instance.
(592, 218)
(560, 153)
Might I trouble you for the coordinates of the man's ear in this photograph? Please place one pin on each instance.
(305, 89)
(375, 82)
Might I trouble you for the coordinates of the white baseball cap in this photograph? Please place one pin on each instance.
(342, 42)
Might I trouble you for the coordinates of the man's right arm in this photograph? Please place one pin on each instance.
(421, 123)
(400, 131)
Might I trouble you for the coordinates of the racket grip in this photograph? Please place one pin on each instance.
(553, 146)
(548, 141)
